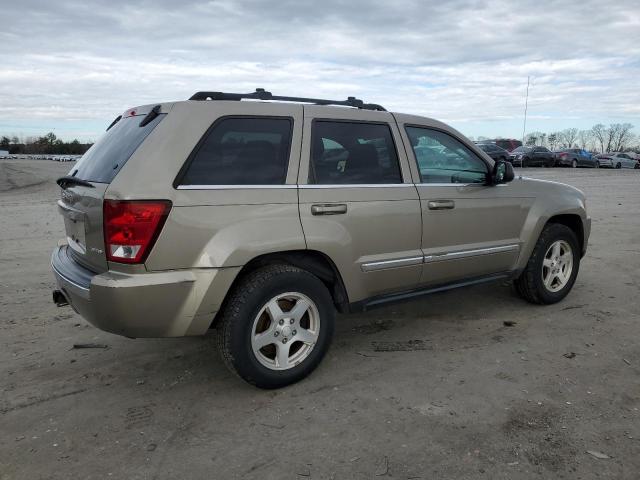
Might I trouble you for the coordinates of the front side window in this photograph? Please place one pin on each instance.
(352, 153)
(443, 159)
(242, 151)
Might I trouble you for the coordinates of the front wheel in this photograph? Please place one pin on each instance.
(574, 164)
(597, 165)
(618, 165)
(552, 268)
(277, 326)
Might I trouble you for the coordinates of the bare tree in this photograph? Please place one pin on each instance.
(600, 133)
(553, 140)
(622, 135)
(584, 139)
(569, 136)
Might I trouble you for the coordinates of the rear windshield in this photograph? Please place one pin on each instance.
(108, 155)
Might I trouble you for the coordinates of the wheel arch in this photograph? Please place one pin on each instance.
(574, 222)
(313, 261)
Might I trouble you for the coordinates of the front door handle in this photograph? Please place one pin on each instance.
(328, 208)
(441, 204)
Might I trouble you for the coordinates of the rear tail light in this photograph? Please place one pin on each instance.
(131, 227)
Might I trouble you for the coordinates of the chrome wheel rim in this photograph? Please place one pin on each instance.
(557, 266)
(285, 331)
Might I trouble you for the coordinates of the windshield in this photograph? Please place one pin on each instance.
(108, 155)
(521, 150)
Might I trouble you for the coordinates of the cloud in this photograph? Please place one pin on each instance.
(463, 61)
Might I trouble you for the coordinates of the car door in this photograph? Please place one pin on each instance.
(626, 161)
(358, 204)
(469, 229)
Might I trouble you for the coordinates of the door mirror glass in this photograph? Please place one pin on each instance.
(502, 172)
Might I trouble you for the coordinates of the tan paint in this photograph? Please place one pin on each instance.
(212, 232)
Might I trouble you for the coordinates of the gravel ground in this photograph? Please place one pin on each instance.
(436, 388)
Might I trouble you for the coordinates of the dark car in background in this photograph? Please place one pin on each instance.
(575, 157)
(509, 144)
(533, 157)
(494, 151)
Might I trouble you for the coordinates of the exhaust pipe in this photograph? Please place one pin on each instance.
(59, 299)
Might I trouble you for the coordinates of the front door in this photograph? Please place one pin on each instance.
(470, 229)
(358, 204)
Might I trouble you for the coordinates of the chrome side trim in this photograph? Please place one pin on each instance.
(382, 265)
(358, 185)
(470, 253)
(457, 185)
(234, 187)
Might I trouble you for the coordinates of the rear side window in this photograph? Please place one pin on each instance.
(241, 151)
(353, 153)
(108, 155)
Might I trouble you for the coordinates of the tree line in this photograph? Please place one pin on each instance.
(617, 137)
(46, 144)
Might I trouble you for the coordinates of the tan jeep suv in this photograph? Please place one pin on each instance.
(262, 216)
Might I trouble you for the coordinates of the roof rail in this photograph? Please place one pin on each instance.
(261, 94)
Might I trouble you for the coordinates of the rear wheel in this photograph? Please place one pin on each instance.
(277, 326)
(574, 163)
(552, 268)
(524, 162)
(618, 165)
(597, 165)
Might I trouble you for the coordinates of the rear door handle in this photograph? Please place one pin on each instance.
(441, 204)
(328, 208)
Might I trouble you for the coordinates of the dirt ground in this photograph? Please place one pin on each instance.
(436, 388)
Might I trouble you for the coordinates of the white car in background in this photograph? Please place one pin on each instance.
(617, 160)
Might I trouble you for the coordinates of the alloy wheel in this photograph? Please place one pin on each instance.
(557, 265)
(285, 331)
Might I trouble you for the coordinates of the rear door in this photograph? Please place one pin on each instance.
(358, 203)
(82, 194)
(470, 229)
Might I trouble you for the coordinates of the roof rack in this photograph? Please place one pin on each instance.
(261, 94)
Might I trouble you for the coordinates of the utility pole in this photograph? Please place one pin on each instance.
(526, 104)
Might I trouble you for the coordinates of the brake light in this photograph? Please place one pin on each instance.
(131, 227)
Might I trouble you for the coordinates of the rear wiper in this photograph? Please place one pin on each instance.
(155, 111)
(67, 181)
(114, 122)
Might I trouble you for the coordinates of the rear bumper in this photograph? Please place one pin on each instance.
(154, 304)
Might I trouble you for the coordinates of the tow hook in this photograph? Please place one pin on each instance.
(59, 299)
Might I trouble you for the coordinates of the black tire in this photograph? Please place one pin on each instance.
(524, 162)
(530, 285)
(251, 294)
(574, 163)
(597, 165)
(618, 165)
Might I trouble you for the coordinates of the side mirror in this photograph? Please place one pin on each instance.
(502, 172)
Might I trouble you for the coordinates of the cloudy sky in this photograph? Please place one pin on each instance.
(71, 66)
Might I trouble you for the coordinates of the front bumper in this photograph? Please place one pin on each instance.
(151, 304)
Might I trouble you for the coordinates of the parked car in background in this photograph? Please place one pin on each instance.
(617, 160)
(533, 157)
(494, 151)
(509, 144)
(574, 157)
